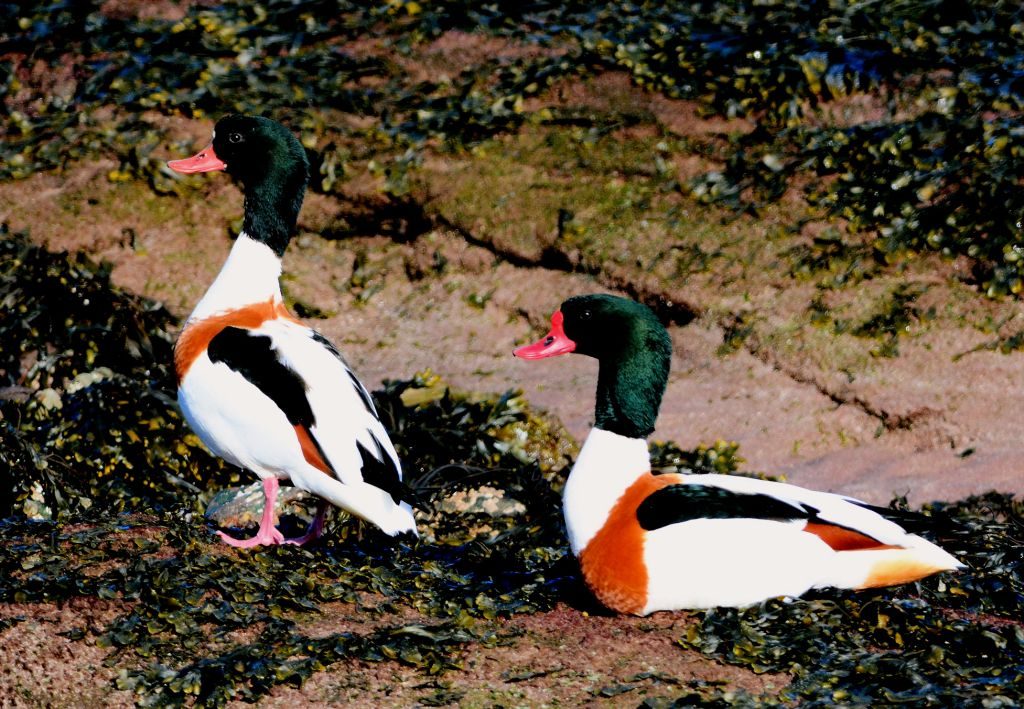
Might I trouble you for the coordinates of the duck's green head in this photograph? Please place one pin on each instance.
(631, 344)
(251, 149)
(270, 163)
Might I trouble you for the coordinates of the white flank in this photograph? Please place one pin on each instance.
(730, 562)
(237, 421)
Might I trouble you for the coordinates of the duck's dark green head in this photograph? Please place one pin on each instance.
(634, 350)
(256, 149)
(270, 163)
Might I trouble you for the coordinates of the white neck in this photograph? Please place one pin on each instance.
(251, 274)
(606, 466)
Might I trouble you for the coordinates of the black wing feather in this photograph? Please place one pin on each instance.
(253, 357)
(379, 470)
(682, 503)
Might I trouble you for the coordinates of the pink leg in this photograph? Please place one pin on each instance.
(267, 533)
(316, 527)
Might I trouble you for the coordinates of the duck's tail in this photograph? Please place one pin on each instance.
(914, 559)
(365, 501)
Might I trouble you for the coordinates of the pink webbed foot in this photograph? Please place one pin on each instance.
(267, 533)
(273, 536)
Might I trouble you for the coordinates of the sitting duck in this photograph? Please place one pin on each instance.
(649, 542)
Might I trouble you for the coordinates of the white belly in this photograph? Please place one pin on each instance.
(237, 421)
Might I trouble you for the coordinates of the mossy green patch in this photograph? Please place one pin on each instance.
(938, 169)
(583, 197)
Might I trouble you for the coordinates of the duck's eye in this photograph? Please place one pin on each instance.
(235, 138)
(585, 315)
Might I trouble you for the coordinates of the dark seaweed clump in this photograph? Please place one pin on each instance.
(89, 425)
(187, 621)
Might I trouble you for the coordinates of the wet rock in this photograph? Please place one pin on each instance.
(485, 500)
(243, 506)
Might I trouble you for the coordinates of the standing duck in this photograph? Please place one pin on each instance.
(648, 542)
(262, 390)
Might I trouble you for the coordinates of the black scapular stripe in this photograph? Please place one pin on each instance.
(911, 521)
(380, 470)
(363, 394)
(681, 503)
(358, 385)
(253, 357)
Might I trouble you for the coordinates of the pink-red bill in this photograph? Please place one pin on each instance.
(554, 343)
(204, 161)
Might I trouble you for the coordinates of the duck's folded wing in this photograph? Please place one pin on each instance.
(357, 385)
(333, 416)
(840, 524)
